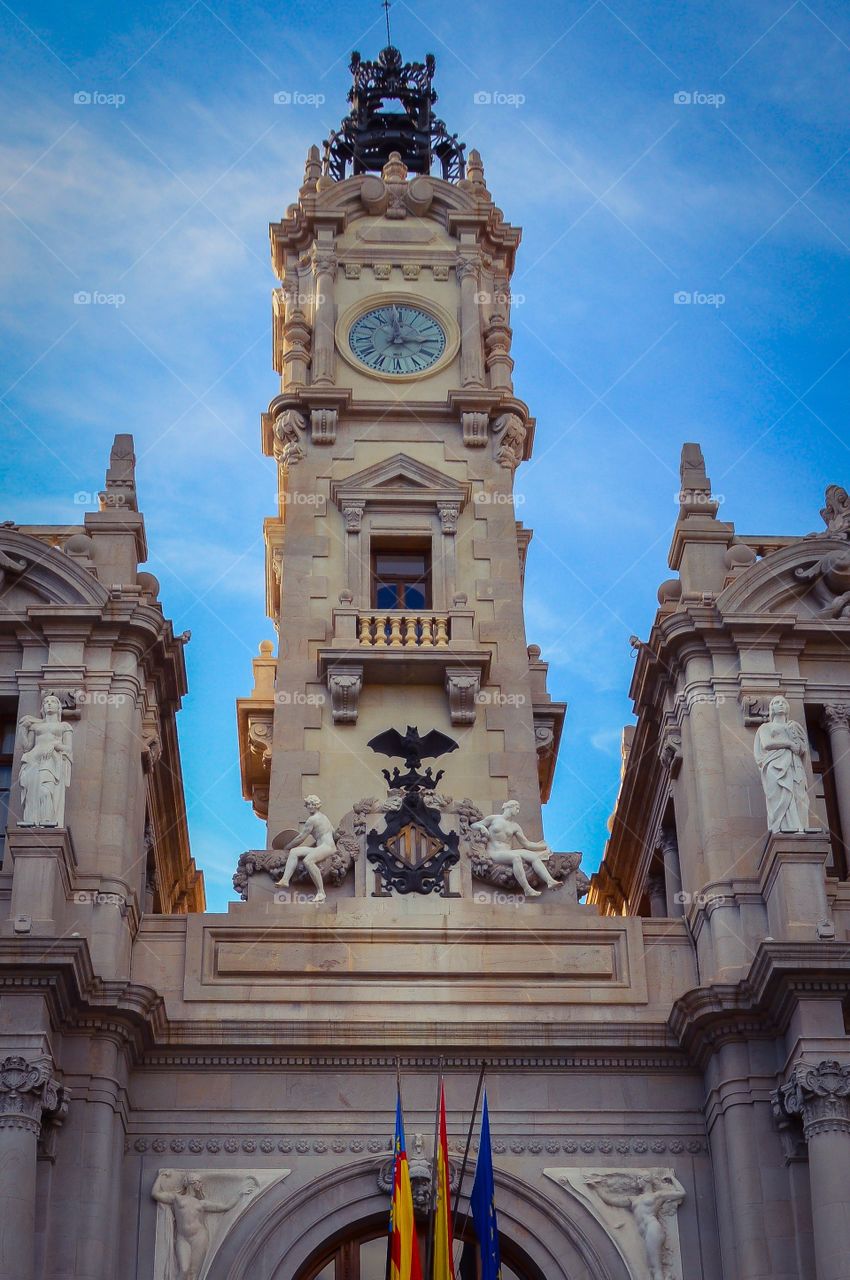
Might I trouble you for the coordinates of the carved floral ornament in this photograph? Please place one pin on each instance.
(29, 1093)
(819, 1095)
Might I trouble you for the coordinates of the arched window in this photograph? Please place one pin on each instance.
(362, 1255)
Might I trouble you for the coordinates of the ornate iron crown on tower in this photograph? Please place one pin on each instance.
(370, 133)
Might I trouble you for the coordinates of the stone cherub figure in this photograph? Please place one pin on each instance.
(780, 749)
(652, 1198)
(189, 1206)
(318, 830)
(45, 765)
(508, 844)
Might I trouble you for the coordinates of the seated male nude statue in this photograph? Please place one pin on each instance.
(508, 844)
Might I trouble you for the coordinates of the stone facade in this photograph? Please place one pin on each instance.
(190, 1094)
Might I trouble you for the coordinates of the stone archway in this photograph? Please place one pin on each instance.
(285, 1226)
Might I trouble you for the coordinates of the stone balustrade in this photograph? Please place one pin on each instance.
(398, 629)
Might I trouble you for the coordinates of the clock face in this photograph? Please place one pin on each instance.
(397, 340)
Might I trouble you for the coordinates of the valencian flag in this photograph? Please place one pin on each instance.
(482, 1203)
(444, 1267)
(403, 1247)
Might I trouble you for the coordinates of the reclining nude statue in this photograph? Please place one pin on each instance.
(317, 829)
(508, 844)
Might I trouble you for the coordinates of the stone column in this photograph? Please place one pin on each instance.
(836, 719)
(820, 1096)
(669, 847)
(471, 354)
(657, 893)
(324, 271)
(29, 1093)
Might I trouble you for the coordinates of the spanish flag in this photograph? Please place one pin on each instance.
(403, 1249)
(444, 1266)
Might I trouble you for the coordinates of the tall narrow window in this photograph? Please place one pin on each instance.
(8, 725)
(401, 579)
(824, 799)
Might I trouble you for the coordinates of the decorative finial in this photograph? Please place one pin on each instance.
(312, 171)
(475, 170)
(120, 488)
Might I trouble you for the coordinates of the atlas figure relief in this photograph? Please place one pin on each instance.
(189, 1206)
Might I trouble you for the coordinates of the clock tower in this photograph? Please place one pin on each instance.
(394, 559)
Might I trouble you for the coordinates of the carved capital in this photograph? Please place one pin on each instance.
(323, 262)
(836, 715)
(463, 688)
(344, 685)
(352, 514)
(449, 512)
(668, 843)
(819, 1095)
(30, 1094)
(467, 269)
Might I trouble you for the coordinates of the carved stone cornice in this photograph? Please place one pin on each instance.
(30, 1094)
(819, 1094)
(761, 1005)
(76, 997)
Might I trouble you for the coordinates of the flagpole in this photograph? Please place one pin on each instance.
(469, 1204)
(429, 1251)
(468, 1145)
(398, 1098)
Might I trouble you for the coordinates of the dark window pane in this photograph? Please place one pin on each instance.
(414, 597)
(386, 595)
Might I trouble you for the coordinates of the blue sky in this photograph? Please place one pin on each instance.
(626, 196)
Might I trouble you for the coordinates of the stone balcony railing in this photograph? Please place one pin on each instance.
(397, 629)
(403, 647)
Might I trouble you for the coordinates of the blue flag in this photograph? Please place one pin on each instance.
(483, 1204)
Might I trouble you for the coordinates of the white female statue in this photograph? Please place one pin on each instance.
(508, 844)
(780, 749)
(319, 829)
(45, 765)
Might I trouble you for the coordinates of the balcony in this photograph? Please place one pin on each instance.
(403, 647)
(398, 630)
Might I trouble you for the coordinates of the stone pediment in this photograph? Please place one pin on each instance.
(399, 478)
(33, 572)
(810, 578)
